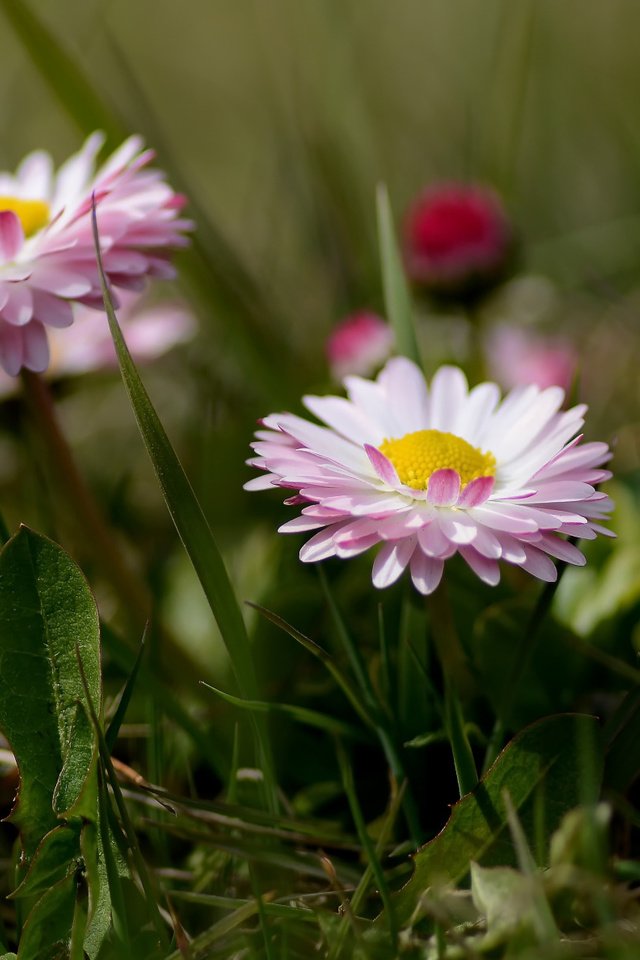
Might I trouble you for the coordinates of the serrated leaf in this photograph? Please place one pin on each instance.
(51, 860)
(46, 610)
(541, 769)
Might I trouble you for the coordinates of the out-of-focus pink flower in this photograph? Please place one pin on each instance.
(426, 471)
(359, 345)
(47, 256)
(517, 356)
(149, 329)
(456, 237)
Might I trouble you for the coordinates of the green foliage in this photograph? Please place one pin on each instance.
(541, 769)
(50, 655)
(46, 613)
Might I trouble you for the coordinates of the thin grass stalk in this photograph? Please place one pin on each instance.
(521, 662)
(384, 730)
(366, 841)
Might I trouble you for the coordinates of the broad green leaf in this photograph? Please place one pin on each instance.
(51, 860)
(397, 298)
(46, 933)
(192, 526)
(541, 770)
(46, 612)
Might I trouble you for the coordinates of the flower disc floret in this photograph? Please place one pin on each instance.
(418, 455)
(422, 472)
(32, 214)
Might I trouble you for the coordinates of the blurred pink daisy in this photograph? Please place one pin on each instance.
(516, 356)
(47, 258)
(359, 344)
(150, 329)
(428, 472)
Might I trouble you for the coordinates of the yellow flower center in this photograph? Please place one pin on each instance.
(32, 214)
(417, 455)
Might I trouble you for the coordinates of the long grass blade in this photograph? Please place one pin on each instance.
(191, 525)
(312, 718)
(397, 298)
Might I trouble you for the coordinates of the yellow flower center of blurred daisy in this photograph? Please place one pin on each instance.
(32, 214)
(417, 455)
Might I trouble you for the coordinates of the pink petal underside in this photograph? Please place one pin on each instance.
(259, 483)
(352, 548)
(512, 549)
(426, 572)
(476, 492)
(51, 310)
(507, 517)
(36, 347)
(301, 525)
(391, 562)
(19, 307)
(457, 527)
(319, 547)
(488, 570)
(11, 235)
(382, 466)
(443, 489)
(487, 544)
(562, 550)
(562, 491)
(434, 543)
(539, 565)
(10, 348)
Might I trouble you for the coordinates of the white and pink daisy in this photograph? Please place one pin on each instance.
(427, 472)
(47, 257)
(359, 344)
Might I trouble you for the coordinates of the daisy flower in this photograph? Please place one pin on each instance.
(47, 258)
(427, 472)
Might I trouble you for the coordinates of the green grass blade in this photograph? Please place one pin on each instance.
(371, 853)
(312, 718)
(116, 721)
(397, 298)
(320, 654)
(191, 524)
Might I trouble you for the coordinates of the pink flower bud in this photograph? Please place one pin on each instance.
(359, 344)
